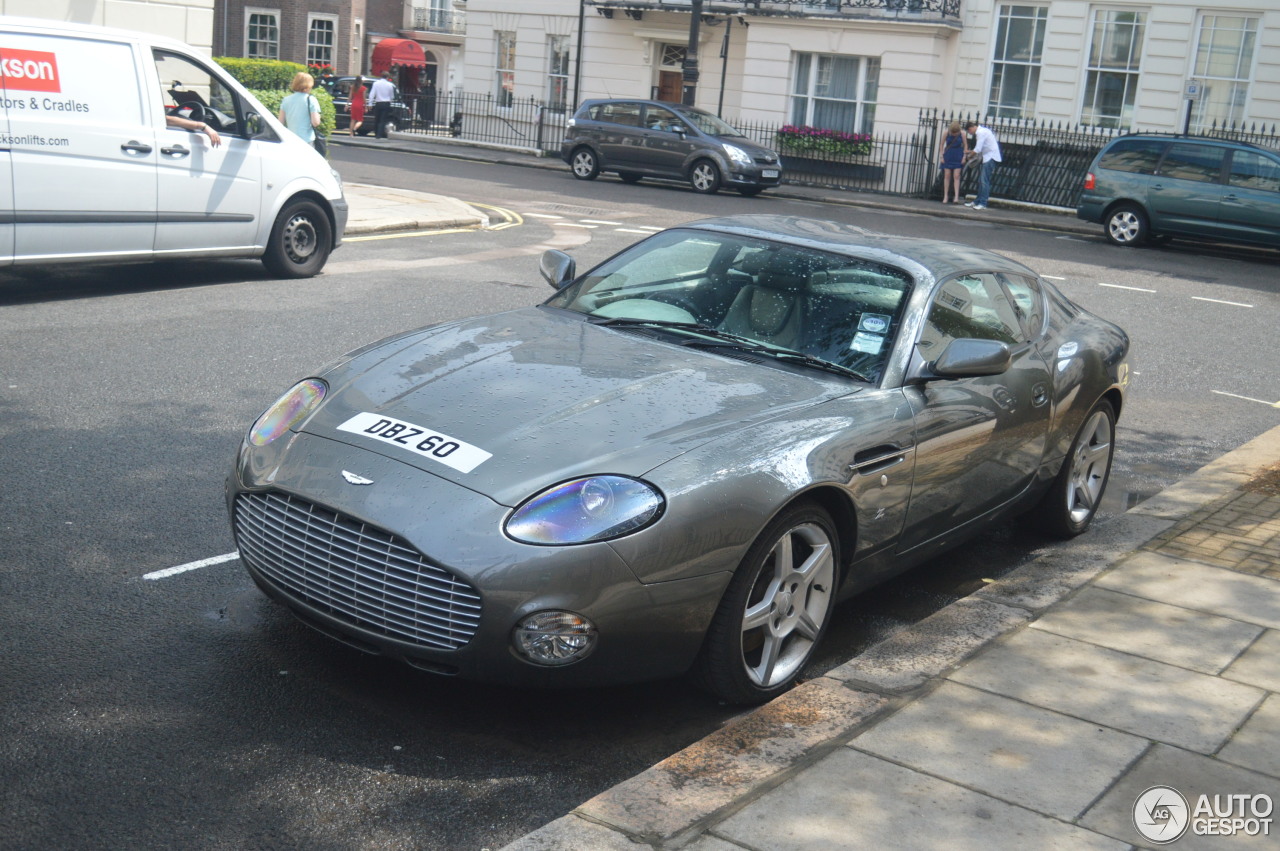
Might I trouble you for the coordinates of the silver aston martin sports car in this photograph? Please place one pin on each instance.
(682, 459)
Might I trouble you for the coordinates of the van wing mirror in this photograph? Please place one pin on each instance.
(557, 267)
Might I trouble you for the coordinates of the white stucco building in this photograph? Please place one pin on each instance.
(186, 20)
(872, 65)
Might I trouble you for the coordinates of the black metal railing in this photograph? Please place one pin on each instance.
(794, 8)
(439, 20)
(517, 122)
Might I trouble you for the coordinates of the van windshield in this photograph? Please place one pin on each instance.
(708, 123)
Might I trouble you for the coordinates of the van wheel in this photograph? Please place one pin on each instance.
(704, 177)
(1127, 225)
(300, 241)
(584, 164)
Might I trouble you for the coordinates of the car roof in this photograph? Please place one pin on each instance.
(666, 104)
(1189, 137)
(922, 258)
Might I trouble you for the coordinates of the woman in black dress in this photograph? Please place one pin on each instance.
(955, 147)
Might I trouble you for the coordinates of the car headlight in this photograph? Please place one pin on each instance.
(289, 410)
(736, 155)
(595, 508)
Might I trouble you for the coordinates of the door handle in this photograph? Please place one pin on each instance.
(1039, 395)
(133, 146)
(175, 152)
(878, 458)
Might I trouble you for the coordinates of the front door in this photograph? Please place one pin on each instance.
(670, 86)
(209, 197)
(1250, 207)
(979, 441)
(665, 150)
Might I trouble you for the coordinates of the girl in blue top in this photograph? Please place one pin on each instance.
(300, 111)
(955, 147)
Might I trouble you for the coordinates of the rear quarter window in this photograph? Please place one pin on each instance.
(1138, 156)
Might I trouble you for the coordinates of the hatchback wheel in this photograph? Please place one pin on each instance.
(584, 164)
(1127, 225)
(704, 177)
(775, 610)
(1072, 501)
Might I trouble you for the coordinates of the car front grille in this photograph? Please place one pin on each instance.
(354, 571)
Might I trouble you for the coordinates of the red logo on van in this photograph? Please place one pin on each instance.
(29, 70)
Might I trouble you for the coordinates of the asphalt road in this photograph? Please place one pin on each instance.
(187, 711)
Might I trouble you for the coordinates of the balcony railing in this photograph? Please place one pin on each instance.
(426, 19)
(914, 9)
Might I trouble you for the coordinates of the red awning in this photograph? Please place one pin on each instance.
(396, 51)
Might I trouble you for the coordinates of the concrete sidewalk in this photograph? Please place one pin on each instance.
(379, 209)
(1032, 714)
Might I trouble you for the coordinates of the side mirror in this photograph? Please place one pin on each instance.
(679, 128)
(253, 125)
(968, 358)
(557, 267)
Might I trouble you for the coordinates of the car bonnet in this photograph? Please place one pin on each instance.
(511, 403)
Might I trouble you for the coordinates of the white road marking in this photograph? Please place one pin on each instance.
(599, 222)
(633, 230)
(1220, 301)
(1119, 287)
(1247, 398)
(194, 565)
(1053, 277)
(576, 225)
(543, 216)
(650, 228)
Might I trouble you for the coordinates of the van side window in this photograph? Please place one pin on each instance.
(1188, 161)
(1251, 170)
(1134, 155)
(621, 113)
(193, 91)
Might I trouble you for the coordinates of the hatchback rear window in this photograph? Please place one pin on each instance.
(1135, 155)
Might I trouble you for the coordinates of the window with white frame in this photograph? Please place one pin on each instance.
(441, 11)
(557, 71)
(504, 67)
(322, 32)
(262, 34)
(1224, 66)
(1115, 52)
(835, 92)
(1015, 68)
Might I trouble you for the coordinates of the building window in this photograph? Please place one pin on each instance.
(557, 71)
(1224, 65)
(321, 36)
(835, 92)
(1115, 52)
(505, 67)
(1015, 70)
(262, 34)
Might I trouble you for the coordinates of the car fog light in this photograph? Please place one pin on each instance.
(554, 638)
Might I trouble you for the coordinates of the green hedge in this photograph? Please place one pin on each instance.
(260, 73)
(270, 98)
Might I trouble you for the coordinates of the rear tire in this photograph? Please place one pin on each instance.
(1073, 499)
(775, 610)
(300, 241)
(704, 177)
(1127, 225)
(585, 164)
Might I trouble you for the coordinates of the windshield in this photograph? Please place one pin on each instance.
(770, 296)
(708, 123)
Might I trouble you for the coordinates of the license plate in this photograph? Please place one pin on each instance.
(769, 172)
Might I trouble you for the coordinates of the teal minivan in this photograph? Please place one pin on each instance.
(1145, 188)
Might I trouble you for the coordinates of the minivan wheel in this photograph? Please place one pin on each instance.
(584, 164)
(629, 177)
(300, 241)
(1127, 225)
(704, 177)
(750, 191)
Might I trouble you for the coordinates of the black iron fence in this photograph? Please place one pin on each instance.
(1042, 162)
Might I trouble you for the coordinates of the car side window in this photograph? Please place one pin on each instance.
(657, 118)
(1188, 161)
(1029, 302)
(189, 90)
(621, 113)
(1139, 156)
(972, 306)
(1251, 170)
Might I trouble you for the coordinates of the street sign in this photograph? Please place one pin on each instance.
(1193, 89)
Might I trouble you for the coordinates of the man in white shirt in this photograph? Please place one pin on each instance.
(381, 94)
(986, 147)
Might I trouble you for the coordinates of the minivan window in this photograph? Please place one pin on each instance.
(1250, 170)
(1188, 161)
(657, 118)
(619, 113)
(708, 123)
(1139, 156)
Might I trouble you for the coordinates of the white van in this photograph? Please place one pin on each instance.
(92, 170)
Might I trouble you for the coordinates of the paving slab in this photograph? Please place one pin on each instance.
(853, 800)
(1183, 637)
(571, 833)
(1042, 760)
(1257, 745)
(1191, 775)
(1119, 690)
(1259, 665)
(1180, 582)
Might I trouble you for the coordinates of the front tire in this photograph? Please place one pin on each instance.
(704, 177)
(585, 164)
(300, 241)
(775, 610)
(1127, 225)
(1073, 499)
